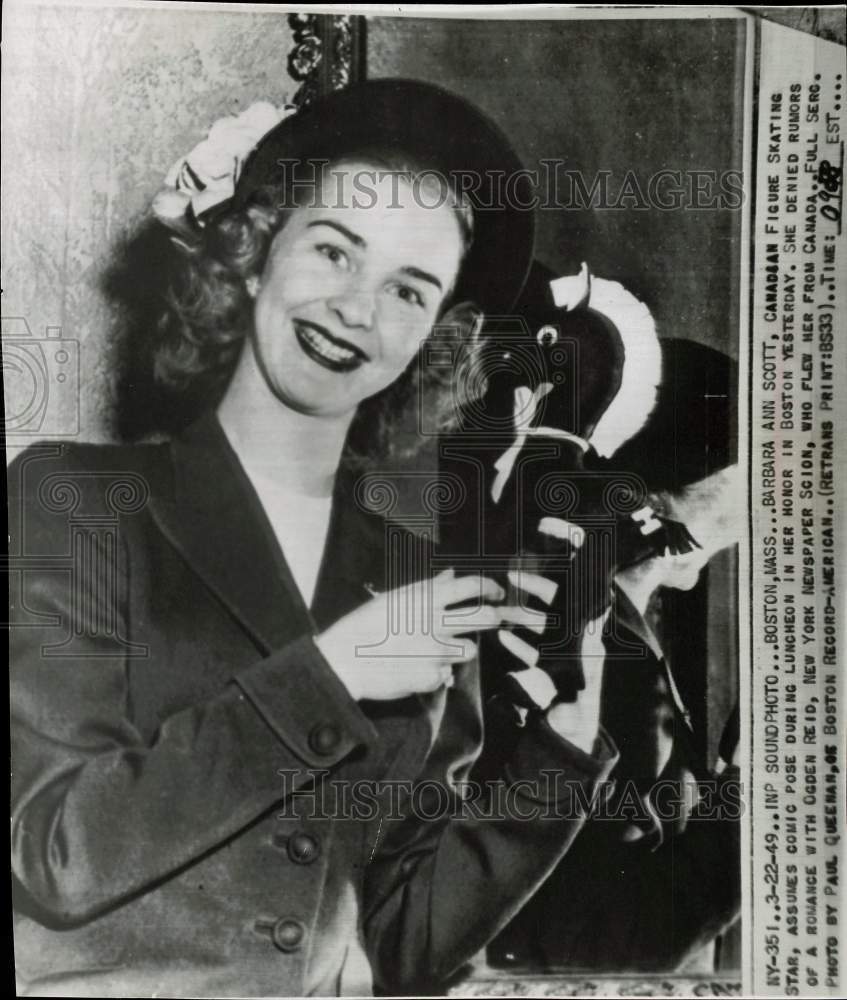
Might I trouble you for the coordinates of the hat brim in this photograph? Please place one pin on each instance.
(692, 432)
(439, 131)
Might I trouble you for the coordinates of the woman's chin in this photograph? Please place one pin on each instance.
(323, 409)
(316, 392)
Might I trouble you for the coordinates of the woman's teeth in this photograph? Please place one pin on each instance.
(326, 347)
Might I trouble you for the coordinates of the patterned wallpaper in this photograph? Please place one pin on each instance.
(96, 106)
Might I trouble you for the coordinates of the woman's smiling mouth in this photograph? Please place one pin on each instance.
(333, 353)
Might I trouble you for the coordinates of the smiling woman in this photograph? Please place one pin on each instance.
(241, 637)
(348, 293)
(362, 203)
(351, 287)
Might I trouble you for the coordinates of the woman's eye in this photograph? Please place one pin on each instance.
(333, 254)
(408, 294)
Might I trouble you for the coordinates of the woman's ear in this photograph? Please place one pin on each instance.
(252, 285)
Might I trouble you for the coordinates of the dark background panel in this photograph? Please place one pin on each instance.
(630, 97)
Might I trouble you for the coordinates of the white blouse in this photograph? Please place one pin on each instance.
(300, 523)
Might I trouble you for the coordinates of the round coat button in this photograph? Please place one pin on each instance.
(303, 849)
(288, 934)
(324, 738)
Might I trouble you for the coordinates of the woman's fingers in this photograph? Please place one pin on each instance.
(535, 621)
(451, 649)
(532, 583)
(451, 589)
(469, 652)
(477, 619)
(488, 616)
(389, 681)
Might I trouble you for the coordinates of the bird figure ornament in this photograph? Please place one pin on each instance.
(561, 385)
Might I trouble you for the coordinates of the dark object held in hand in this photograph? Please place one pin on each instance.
(568, 379)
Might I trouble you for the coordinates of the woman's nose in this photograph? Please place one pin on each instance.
(354, 306)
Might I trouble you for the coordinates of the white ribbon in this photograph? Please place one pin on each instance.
(573, 290)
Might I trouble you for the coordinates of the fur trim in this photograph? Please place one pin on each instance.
(642, 370)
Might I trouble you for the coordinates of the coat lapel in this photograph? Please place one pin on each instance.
(214, 519)
(355, 557)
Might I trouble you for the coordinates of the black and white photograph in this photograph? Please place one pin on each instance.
(425, 499)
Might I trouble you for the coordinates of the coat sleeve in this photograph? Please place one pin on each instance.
(451, 868)
(100, 812)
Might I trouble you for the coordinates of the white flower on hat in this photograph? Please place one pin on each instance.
(207, 176)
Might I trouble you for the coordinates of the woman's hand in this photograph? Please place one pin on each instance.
(577, 721)
(406, 641)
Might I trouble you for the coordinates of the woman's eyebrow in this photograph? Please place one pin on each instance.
(353, 237)
(411, 270)
(416, 272)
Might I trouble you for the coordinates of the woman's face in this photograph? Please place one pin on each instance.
(350, 290)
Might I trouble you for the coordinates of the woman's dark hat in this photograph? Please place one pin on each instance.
(442, 132)
(692, 431)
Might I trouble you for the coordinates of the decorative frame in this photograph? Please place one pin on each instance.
(328, 53)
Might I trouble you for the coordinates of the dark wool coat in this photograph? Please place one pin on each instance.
(659, 874)
(173, 723)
